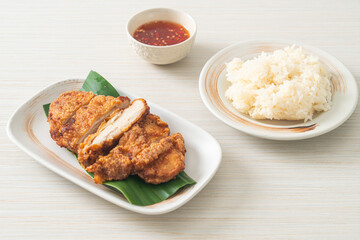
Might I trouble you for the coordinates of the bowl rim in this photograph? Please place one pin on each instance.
(192, 36)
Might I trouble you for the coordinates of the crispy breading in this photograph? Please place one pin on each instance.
(87, 153)
(152, 152)
(155, 156)
(165, 168)
(114, 140)
(162, 161)
(88, 118)
(63, 108)
(141, 135)
(114, 166)
(110, 132)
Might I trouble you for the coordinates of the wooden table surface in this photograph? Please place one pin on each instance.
(263, 189)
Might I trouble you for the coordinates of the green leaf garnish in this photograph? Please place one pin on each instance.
(97, 84)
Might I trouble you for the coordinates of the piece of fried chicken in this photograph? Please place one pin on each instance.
(83, 117)
(141, 135)
(159, 157)
(63, 108)
(114, 138)
(161, 161)
(138, 137)
(110, 131)
(114, 166)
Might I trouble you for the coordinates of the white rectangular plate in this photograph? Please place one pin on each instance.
(28, 129)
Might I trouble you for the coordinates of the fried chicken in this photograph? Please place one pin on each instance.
(63, 108)
(165, 168)
(114, 166)
(130, 144)
(151, 153)
(114, 139)
(147, 150)
(141, 135)
(110, 131)
(161, 161)
(85, 120)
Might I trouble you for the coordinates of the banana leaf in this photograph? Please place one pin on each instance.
(135, 190)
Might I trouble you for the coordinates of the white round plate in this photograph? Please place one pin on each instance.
(213, 84)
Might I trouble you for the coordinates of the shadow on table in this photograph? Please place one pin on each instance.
(194, 62)
(318, 149)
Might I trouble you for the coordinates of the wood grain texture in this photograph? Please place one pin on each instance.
(264, 189)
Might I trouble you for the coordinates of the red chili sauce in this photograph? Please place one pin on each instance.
(161, 33)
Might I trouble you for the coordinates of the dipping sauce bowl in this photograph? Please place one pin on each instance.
(162, 54)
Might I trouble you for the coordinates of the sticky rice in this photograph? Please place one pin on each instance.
(284, 85)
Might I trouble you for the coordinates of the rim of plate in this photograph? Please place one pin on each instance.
(209, 80)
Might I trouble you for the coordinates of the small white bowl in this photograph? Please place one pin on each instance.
(162, 54)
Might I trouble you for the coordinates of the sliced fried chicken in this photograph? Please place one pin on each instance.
(117, 164)
(63, 108)
(165, 168)
(152, 153)
(142, 134)
(110, 131)
(162, 160)
(114, 166)
(88, 118)
(113, 139)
